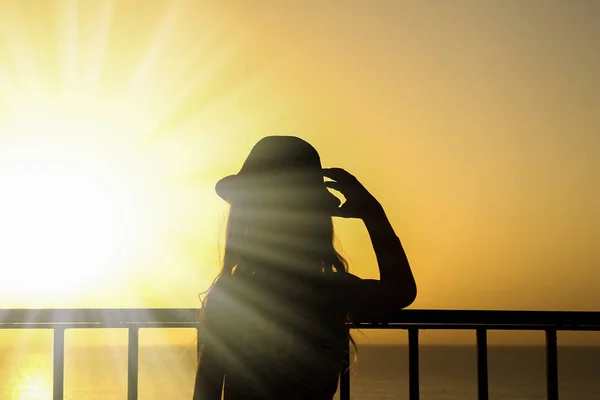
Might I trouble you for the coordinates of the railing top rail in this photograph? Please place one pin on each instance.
(116, 316)
(98, 315)
(492, 317)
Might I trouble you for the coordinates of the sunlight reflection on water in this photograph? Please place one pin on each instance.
(34, 381)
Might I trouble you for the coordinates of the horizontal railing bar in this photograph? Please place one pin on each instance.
(485, 317)
(98, 315)
(85, 325)
(405, 326)
(421, 319)
(477, 326)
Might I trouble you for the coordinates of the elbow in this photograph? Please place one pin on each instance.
(408, 295)
(402, 294)
(413, 295)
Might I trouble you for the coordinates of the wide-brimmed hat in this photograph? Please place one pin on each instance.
(282, 170)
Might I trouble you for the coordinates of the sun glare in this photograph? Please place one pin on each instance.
(110, 134)
(65, 218)
(87, 200)
(33, 385)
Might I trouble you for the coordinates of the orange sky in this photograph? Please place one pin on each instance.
(474, 123)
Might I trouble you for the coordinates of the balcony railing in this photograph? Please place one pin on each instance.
(412, 320)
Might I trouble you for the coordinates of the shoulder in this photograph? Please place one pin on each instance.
(341, 280)
(341, 287)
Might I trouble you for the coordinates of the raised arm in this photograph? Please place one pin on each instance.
(394, 268)
(396, 287)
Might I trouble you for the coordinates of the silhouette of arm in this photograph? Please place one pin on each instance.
(396, 288)
(394, 268)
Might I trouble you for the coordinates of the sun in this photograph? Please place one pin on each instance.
(88, 204)
(68, 216)
(112, 135)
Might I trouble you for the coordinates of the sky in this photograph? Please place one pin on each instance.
(475, 124)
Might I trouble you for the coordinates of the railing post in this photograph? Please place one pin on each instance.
(482, 367)
(345, 372)
(551, 365)
(58, 378)
(413, 363)
(132, 368)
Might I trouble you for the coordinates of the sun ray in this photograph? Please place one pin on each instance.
(19, 56)
(190, 81)
(99, 165)
(104, 15)
(69, 35)
(137, 88)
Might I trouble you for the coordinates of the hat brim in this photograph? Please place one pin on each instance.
(234, 188)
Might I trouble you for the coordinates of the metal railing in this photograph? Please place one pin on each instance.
(412, 320)
(480, 322)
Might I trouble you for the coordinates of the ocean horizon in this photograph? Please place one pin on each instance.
(381, 372)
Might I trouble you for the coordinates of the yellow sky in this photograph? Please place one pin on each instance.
(474, 123)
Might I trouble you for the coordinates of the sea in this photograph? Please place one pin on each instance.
(381, 372)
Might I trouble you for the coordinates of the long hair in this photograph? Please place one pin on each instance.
(257, 237)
